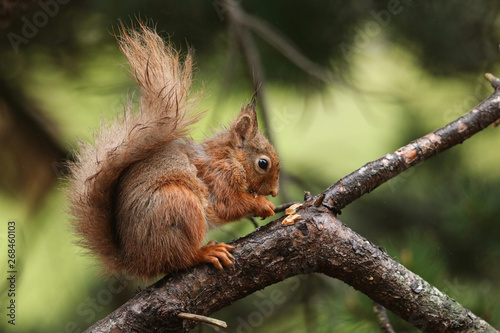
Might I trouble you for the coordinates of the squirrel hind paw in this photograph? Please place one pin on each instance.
(217, 254)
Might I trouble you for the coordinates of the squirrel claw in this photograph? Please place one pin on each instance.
(218, 254)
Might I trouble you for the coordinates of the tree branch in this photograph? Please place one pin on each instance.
(202, 319)
(382, 318)
(252, 58)
(274, 252)
(375, 173)
(286, 48)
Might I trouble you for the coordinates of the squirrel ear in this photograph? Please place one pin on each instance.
(245, 126)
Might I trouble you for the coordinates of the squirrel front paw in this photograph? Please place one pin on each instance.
(217, 253)
(265, 207)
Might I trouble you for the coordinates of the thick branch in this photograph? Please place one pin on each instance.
(274, 252)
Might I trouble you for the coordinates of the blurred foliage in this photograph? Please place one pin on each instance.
(409, 67)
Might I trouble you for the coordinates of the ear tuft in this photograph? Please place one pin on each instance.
(245, 126)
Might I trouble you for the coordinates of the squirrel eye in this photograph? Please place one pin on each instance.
(263, 163)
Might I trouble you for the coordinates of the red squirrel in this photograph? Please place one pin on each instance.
(144, 194)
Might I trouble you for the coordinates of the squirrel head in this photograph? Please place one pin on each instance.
(255, 153)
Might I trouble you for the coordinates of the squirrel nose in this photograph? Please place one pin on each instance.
(274, 192)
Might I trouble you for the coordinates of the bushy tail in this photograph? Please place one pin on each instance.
(163, 116)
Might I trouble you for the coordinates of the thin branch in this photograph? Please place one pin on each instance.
(253, 221)
(494, 81)
(383, 319)
(283, 207)
(307, 195)
(286, 47)
(252, 58)
(203, 319)
(375, 173)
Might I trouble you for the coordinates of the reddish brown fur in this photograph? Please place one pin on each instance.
(144, 195)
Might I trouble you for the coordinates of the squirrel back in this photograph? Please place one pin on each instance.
(143, 195)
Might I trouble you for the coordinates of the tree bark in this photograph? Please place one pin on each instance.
(275, 252)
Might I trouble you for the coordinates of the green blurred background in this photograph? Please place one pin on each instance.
(399, 69)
